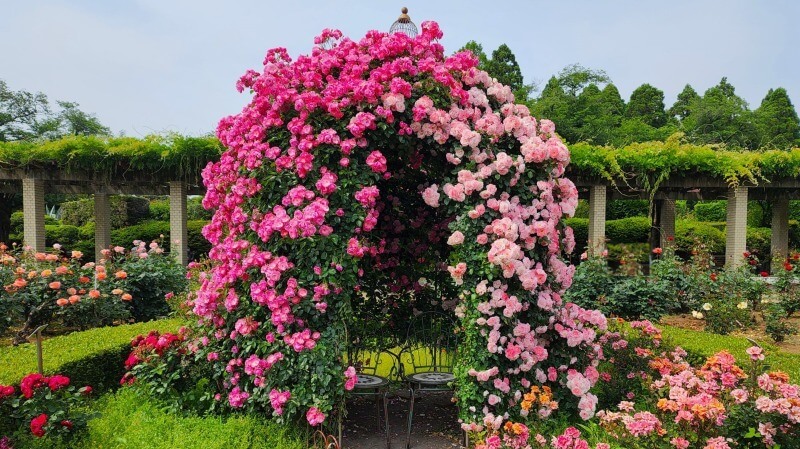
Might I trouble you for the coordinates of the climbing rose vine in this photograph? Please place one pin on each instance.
(379, 166)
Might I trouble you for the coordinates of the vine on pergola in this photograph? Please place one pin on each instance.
(368, 171)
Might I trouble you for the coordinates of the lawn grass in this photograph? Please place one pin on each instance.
(708, 344)
(58, 352)
(127, 420)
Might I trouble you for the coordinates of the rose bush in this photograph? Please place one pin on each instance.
(43, 405)
(41, 287)
(383, 174)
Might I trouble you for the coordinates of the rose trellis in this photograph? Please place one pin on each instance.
(371, 171)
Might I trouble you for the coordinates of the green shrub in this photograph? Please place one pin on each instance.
(149, 279)
(628, 230)
(591, 285)
(159, 210)
(125, 211)
(146, 231)
(66, 235)
(776, 324)
(127, 420)
(93, 357)
(718, 211)
(617, 209)
(195, 210)
(580, 227)
(641, 297)
(759, 240)
(689, 233)
(711, 211)
(582, 211)
(198, 245)
(640, 252)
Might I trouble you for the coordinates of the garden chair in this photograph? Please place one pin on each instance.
(377, 366)
(430, 350)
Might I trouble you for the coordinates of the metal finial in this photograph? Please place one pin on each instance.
(404, 25)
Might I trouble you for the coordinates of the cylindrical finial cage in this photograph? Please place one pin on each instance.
(404, 25)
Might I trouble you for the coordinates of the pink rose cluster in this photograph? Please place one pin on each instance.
(300, 214)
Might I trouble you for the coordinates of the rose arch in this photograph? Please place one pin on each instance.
(382, 178)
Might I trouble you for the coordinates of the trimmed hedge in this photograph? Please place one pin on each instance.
(94, 357)
(127, 420)
(628, 230)
(707, 344)
(688, 233)
(718, 211)
(146, 231)
(125, 211)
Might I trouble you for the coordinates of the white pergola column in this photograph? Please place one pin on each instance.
(178, 231)
(597, 219)
(666, 214)
(33, 209)
(102, 224)
(736, 241)
(780, 230)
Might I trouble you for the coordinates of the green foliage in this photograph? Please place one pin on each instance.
(149, 280)
(580, 228)
(717, 211)
(776, 120)
(146, 231)
(628, 230)
(90, 357)
(721, 116)
(21, 113)
(104, 158)
(776, 324)
(159, 210)
(640, 297)
(125, 211)
(196, 211)
(684, 105)
(728, 303)
(689, 234)
(592, 284)
(127, 420)
(647, 104)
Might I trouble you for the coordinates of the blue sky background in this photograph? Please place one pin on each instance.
(146, 66)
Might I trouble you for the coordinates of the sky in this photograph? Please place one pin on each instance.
(156, 66)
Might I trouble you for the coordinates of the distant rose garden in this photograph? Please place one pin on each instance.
(370, 185)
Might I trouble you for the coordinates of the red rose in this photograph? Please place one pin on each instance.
(753, 262)
(66, 423)
(713, 277)
(37, 425)
(87, 390)
(57, 382)
(6, 391)
(764, 274)
(30, 383)
(746, 254)
(788, 267)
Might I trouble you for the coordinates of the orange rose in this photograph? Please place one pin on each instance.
(47, 273)
(51, 257)
(62, 302)
(32, 275)
(127, 297)
(102, 276)
(20, 282)
(94, 294)
(77, 254)
(117, 291)
(55, 285)
(61, 270)
(83, 280)
(74, 298)
(121, 274)
(71, 291)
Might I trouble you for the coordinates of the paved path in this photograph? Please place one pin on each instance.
(435, 423)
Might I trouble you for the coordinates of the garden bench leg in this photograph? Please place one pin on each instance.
(410, 418)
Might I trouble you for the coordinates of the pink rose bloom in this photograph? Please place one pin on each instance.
(237, 397)
(716, 443)
(679, 442)
(246, 326)
(456, 238)
(755, 353)
(377, 162)
(315, 416)
(277, 399)
(350, 378)
(431, 195)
